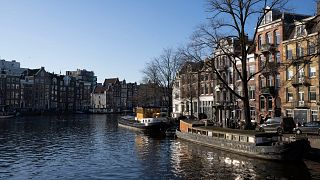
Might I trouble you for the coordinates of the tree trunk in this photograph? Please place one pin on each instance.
(246, 106)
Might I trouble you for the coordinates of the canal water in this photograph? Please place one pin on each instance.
(94, 147)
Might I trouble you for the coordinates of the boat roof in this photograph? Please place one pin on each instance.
(199, 125)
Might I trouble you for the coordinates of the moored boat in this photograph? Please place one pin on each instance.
(7, 116)
(269, 146)
(146, 119)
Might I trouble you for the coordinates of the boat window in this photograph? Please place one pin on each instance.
(243, 138)
(221, 135)
(214, 135)
(235, 137)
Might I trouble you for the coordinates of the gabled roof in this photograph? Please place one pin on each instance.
(99, 89)
(311, 26)
(110, 81)
(30, 72)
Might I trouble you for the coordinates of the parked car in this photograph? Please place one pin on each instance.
(312, 127)
(278, 125)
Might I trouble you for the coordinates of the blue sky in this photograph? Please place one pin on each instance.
(113, 38)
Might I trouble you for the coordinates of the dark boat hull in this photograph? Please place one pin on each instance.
(292, 151)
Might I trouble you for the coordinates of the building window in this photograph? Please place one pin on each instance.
(311, 48)
(277, 57)
(301, 95)
(262, 82)
(269, 103)
(289, 74)
(312, 71)
(270, 80)
(251, 92)
(288, 53)
(268, 17)
(177, 84)
(202, 90)
(251, 70)
(262, 103)
(314, 115)
(289, 113)
(276, 37)
(299, 30)
(278, 82)
(312, 93)
(206, 89)
(299, 50)
(259, 42)
(268, 38)
(289, 96)
(301, 71)
(252, 113)
(262, 60)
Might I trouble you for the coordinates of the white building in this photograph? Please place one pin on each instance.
(99, 100)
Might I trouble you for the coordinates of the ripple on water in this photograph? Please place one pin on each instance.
(94, 147)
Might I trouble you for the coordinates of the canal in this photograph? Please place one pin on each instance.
(94, 147)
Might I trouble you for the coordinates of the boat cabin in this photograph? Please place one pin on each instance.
(149, 114)
(235, 135)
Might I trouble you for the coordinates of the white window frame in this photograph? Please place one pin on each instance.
(312, 72)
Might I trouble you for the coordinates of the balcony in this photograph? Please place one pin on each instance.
(301, 104)
(269, 67)
(300, 60)
(267, 48)
(268, 91)
(300, 81)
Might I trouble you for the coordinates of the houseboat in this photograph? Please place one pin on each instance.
(270, 146)
(146, 119)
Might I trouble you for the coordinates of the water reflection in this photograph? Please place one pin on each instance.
(206, 163)
(94, 147)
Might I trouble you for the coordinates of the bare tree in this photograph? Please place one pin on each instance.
(231, 20)
(151, 81)
(162, 71)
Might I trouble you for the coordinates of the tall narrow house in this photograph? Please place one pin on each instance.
(300, 97)
(269, 61)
